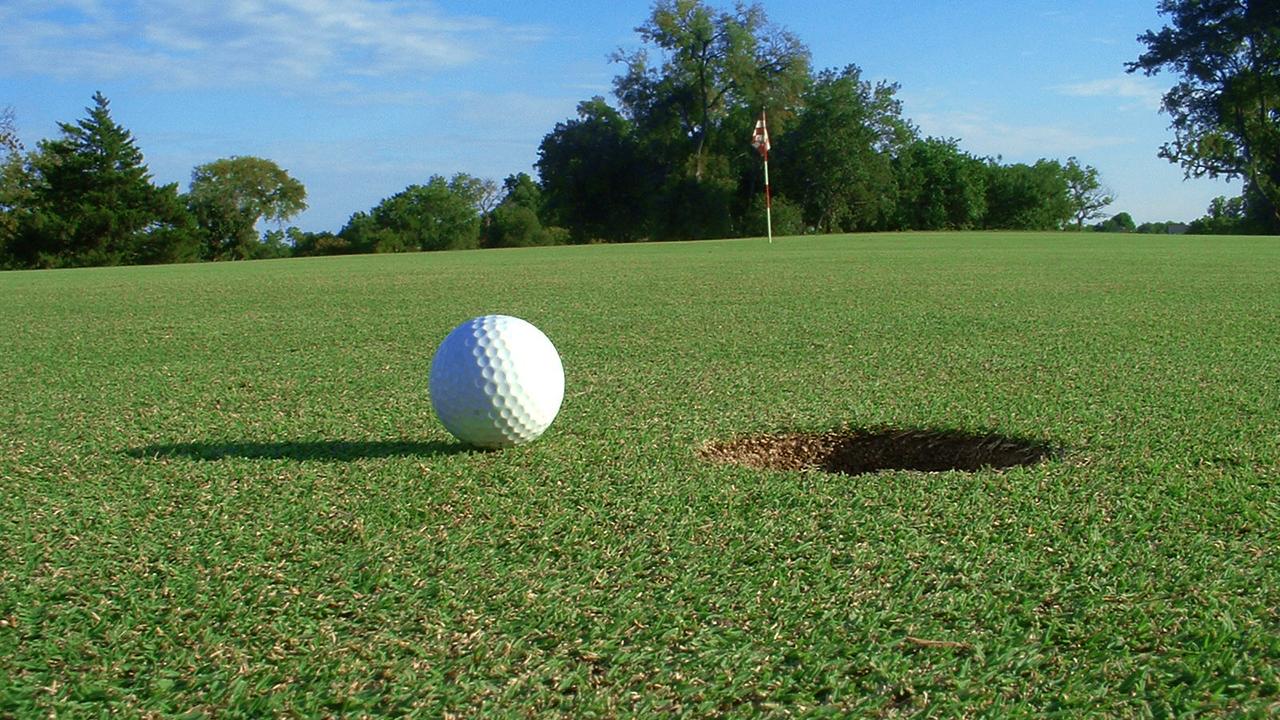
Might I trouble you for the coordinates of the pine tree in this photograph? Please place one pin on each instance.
(95, 204)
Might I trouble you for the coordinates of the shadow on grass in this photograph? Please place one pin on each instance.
(338, 450)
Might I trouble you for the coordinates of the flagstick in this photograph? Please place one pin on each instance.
(768, 198)
(760, 139)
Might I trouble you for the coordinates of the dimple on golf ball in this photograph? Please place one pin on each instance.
(496, 381)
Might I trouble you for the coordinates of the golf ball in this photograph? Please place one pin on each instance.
(496, 381)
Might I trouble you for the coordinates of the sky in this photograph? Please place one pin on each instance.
(359, 99)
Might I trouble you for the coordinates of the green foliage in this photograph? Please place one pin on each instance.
(940, 187)
(1225, 109)
(88, 200)
(440, 215)
(1027, 197)
(10, 144)
(837, 159)
(275, 244)
(596, 180)
(713, 62)
(1161, 228)
(228, 198)
(307, 244)
(1087, 197)
(788, 218)
(1225, 216)
(16, 186)
(1118, 223)
(693, 209)
(516, 226)
(522, 191)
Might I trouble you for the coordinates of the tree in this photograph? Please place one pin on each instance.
(521, 190)
(488, 195)
(13, 183)
(517, 221)
(1166, 227)
(1027, 197)
(1118, 223)
(517, 226)
(596, 180)
(940, 187)
(440, 215)
(317, 243)
(1226, 108)
(228, 198)
(1087, 197)
(712, 63)
(838, 155)
(1225, 216)
(91, 201)
(9, 143)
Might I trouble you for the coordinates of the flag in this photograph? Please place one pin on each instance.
(760, 138)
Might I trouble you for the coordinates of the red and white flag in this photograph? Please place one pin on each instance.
(760, 138)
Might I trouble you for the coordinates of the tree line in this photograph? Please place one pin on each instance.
(671, 160)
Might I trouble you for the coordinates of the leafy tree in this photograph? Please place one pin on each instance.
(1118, 223)
(1225, 216)
(14, 184)
(596, 180)
(1027, 197)
(516, 226)
(1160, 228)
(1085, 193)
(1226, 108)
(521, 190)
(440, 215)
(788, 217)
(317, 243)
(940, 187)
(274, 244)
(9, 142)
(712, 62)
(517, 221)
(91, 201)
(488, 195)
(838, 155)
(228, 198)
(696, 210)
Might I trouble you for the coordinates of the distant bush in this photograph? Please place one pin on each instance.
(788, 218)
(1118, 223)
(516, 226)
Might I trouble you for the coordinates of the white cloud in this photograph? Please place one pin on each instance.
(984, 135)
(239, 43)
(1138, 92)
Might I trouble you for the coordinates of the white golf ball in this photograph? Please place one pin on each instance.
(496, 381)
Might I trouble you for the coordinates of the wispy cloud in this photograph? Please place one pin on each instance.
(239, 43)
(1134, 92)
(986, 136)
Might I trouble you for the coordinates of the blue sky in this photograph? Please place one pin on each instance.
(360, 98)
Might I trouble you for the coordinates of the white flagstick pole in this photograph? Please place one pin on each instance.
(768, 198)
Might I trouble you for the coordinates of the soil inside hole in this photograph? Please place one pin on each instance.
(862, 451)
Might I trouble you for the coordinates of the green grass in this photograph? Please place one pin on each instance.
(223, 490)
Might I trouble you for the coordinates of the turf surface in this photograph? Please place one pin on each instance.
(223, 491)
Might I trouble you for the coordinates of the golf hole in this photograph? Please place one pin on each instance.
(865, 451)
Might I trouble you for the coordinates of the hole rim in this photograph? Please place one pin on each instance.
(872, 450)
